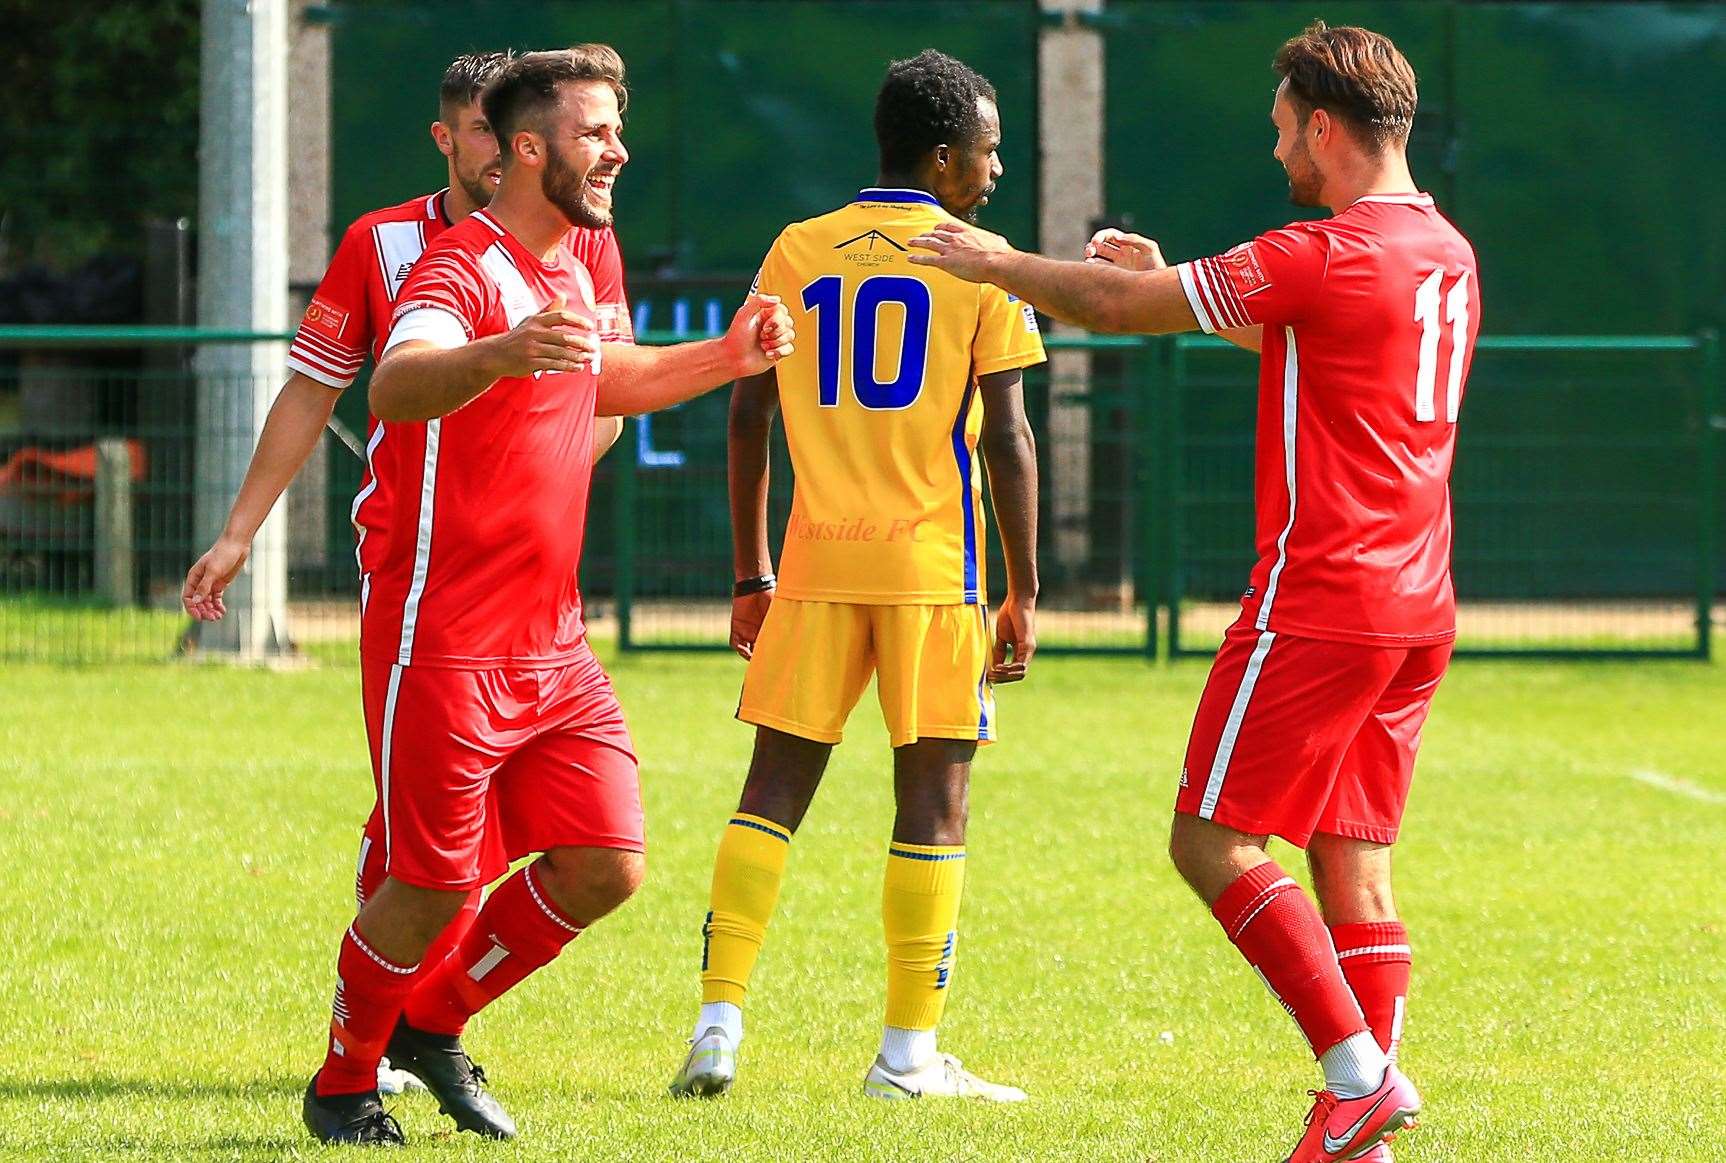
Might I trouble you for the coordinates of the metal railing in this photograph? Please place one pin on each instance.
(1586, 491)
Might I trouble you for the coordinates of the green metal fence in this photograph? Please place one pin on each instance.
(1593, 532)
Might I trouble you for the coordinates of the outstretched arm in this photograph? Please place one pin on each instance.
(636, 379)
(1093, 296)
(1135, 252)
(1010, 454)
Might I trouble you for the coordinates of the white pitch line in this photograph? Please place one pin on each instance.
(1681, 786)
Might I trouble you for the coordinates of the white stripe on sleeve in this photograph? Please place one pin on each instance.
(1194, 299)
(432, 325)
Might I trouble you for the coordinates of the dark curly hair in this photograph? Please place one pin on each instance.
(926, 101)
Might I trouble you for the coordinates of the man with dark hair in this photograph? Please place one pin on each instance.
(1308, 728)
(929, 101)
(494, 731)
(907, 376)
(345, 323)
(347, 318)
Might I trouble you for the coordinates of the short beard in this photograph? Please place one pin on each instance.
(478, 189)
(1305, 182)
(567, 190)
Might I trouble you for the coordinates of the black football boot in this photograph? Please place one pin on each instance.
(459, 1085)
(350, 1118)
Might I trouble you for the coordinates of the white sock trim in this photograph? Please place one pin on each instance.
(905, 1050)
(1354, 1066)
(723, 1014)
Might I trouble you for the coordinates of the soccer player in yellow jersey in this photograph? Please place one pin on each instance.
(906, 376)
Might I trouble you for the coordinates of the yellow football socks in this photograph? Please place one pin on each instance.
(746, 880)
(920, 912)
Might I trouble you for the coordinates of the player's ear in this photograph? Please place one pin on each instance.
(943, 156)
(441, 138)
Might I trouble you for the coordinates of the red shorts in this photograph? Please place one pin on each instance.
(1300, 735)
(476, 768)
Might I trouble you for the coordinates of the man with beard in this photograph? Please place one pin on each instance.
(494, 732)
(348, 319)
(904, 376)
(1308, 727)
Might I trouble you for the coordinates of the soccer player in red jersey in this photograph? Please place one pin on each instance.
(1308, 727)
(346, 321)
(494, 731)
(348, 318)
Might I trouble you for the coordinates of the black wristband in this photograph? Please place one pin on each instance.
(753, 585)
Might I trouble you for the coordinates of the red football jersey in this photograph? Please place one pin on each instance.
(1369, 325)
(471, 524)
(349, 315)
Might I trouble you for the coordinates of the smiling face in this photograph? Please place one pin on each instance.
(1294, 148)
(965, 175)
(464, 137)
(584, 152)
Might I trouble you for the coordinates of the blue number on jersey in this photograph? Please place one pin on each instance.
(902, 391)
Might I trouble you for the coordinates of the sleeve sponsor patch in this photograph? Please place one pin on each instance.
(326, 317)
(1244, 269)
(1030, 314)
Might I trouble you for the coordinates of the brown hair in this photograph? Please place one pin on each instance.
(527, 86)
(466, 77)
(1354, 74)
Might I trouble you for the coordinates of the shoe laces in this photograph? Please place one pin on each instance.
(1323, 1103)
(377, 1126)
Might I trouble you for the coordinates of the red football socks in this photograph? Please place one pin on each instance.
(1279, 932)
(1375, 960)
(517, 931)
(370, 990)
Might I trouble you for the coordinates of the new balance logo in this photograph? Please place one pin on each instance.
(403, 271)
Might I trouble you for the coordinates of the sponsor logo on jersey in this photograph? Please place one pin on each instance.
(1242, 265)
(1030, 319)
(403, 271)
(326, 317)
(862, 250)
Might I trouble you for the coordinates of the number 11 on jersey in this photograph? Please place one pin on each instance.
(1426, 314)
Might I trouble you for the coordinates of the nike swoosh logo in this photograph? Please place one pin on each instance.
(1334, 1145)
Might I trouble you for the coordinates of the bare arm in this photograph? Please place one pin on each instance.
(291, 431)
(754, 403)
(634, 380)
(422, 379)
(1010, 454)
(1135, 252)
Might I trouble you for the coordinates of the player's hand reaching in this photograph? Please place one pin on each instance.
(1015, 639)
(1132, 252)
(555, 340)
(965, 251)
(760, 335)
(747, 614)
(210, 577)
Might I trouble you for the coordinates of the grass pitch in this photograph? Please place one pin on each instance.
(177, 847)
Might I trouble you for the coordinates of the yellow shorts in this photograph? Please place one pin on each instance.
(813, 659)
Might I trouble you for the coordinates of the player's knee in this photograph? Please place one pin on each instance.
(588, 883)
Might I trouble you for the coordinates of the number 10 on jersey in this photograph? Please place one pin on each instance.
(824, 300)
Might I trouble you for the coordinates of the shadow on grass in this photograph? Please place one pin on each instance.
(101, 1087)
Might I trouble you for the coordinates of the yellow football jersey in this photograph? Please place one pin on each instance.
(881, 406)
